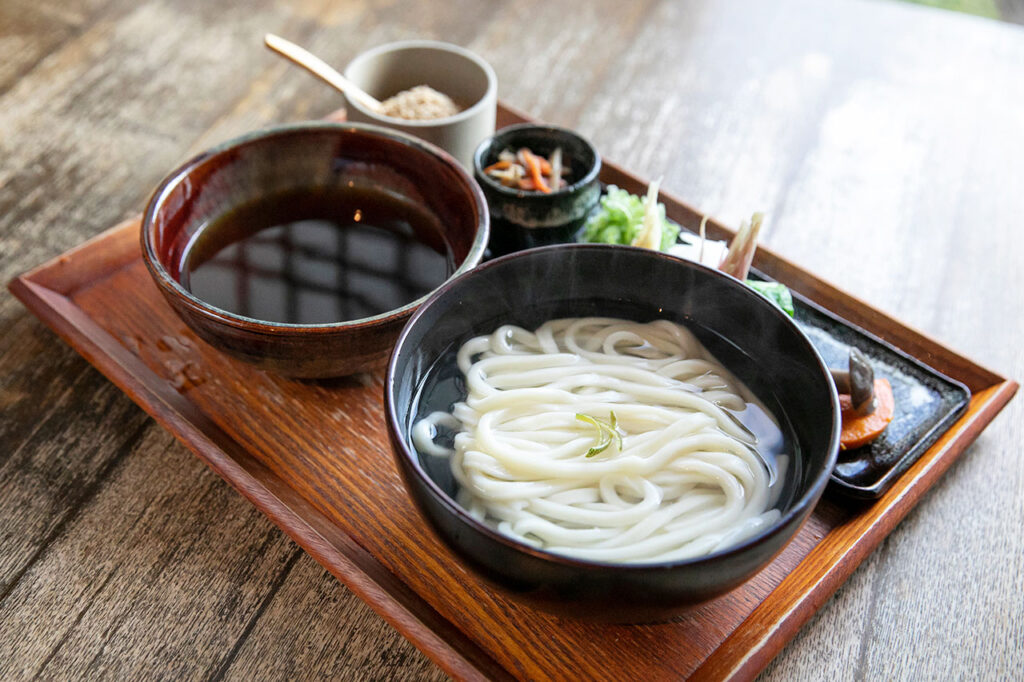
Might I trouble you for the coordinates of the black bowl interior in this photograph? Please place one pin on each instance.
(747, 333)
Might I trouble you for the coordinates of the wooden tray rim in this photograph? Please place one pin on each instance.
(46, 290)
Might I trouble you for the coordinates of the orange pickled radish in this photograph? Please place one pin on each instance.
(533, 171)
(860, 430)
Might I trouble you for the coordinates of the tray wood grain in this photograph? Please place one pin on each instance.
(314, 457)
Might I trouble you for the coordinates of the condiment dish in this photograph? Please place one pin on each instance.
(465, 77)
(522, 219)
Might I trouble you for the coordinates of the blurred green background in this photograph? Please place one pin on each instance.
(1007, 10)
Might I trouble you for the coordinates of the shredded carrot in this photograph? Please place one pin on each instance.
(500, 165)
(860, 430)
(527, 170)
(530, 160)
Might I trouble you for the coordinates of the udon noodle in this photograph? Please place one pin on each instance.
(605, 440)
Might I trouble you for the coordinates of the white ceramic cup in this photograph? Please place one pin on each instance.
(455, 71)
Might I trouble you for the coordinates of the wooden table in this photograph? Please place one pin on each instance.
(885, 142)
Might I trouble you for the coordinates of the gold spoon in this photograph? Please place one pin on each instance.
(321, 69)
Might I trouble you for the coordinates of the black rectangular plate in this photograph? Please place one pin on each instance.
(927, 401)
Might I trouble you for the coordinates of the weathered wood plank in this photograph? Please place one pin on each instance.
(59, 465)
(189, 569)
(340, 638)
(31, 30)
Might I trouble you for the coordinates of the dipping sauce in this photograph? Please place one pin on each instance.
(317, 256)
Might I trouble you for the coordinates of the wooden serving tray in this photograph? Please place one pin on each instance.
(314, 457)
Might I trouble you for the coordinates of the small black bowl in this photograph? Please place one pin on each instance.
(522, 219)
(748, 333)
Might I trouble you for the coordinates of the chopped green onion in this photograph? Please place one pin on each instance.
(606, 433)
(620, 219)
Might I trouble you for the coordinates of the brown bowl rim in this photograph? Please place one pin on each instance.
(171, 286)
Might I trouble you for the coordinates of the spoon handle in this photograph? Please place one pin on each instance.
(321, 69)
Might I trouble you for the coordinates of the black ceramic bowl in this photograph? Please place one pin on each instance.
(297, 156)
(748, 333)
(523, 219)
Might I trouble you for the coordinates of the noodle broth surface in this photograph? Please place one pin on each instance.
(444, 386)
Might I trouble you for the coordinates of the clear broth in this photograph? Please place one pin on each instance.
(317, 256)
(443, 385)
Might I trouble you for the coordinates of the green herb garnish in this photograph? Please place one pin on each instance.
(607, 431)
(776, 292)
(620, 219)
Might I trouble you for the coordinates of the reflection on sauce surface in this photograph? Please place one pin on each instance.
(317, 256)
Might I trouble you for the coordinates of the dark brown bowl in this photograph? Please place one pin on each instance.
(287, 158)
(748, 333)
